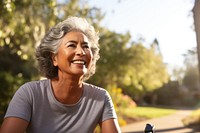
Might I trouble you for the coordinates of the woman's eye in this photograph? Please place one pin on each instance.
(86, 46)
(71, 45)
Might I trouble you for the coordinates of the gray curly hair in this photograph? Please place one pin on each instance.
(50, 43)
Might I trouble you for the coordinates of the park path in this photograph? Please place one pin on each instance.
(167, 124)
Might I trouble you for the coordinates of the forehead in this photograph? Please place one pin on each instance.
(76, 36)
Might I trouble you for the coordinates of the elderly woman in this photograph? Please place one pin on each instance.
(63, 103)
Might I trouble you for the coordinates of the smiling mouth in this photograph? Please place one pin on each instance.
(80, 62)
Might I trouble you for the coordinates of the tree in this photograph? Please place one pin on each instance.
(191, 77)
(147, 71)
(129, 65)
(183, 90)
(113, 52)
(196, 14)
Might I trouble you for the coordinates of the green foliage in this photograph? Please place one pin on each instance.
(19, 32)
(110, 67)
(147, 69)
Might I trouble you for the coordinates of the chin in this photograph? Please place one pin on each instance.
(80, 73)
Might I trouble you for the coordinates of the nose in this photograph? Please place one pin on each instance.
(80, 51)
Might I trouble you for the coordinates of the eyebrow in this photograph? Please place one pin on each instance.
(72, 41)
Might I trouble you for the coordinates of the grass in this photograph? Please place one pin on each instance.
(192, 119)
(148, 112)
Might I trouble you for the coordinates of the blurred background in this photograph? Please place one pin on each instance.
(148, 50)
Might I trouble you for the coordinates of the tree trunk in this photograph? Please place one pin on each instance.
(196, 15)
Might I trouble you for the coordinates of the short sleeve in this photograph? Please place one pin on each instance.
(108, 111)
(20, 105)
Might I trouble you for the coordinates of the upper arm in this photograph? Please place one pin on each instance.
(18, 112)
(110, 126)
(14, 125)
(20, 105)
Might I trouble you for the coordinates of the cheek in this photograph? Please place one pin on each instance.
(90, 55)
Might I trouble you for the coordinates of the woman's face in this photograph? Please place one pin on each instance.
(74, 55)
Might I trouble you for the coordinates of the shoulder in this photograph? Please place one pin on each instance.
(92, 87)
(37, 83)
(33, 87)
(96, 91)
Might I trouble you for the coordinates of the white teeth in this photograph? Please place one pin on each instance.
(79, 62)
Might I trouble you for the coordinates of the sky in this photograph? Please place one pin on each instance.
(169, 21)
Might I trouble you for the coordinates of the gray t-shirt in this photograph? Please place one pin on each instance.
(36, 103)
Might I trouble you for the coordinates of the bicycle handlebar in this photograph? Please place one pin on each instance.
(149, 128)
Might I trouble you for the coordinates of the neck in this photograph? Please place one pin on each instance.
(67, 91)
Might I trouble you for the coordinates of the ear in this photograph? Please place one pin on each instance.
(54, 59)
